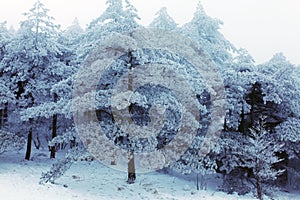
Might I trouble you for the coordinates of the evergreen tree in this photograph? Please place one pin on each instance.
(205, 30)
(163, 20)
(34, 62)
(73, 31)
(261, 155)
(239, 76)
(113, 20)
(6, 95)
(280, 85)
(131, 15)
(253, 155)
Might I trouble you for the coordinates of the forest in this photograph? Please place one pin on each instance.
(46, 79)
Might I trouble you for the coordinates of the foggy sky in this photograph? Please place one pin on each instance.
(263, 27)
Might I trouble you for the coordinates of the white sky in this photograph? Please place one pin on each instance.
(263, 27)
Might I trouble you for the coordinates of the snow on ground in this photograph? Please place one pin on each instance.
(91, 180)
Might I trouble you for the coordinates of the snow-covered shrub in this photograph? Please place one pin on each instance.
(191, 163)
(236, 181)
(10, 142)
(68, 137)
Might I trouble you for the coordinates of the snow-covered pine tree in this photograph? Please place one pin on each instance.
(115, 19)
(261, 155)
(205, 30)
(270, 89)
(74, 31)
(255, 153)
(60, 110)
(280, 89)
(131, 15)
(163, 21)
(34, 62)
(288, 132)
(276, 96)
(239, 76)
(6, 95)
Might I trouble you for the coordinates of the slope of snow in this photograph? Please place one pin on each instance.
(90, 181)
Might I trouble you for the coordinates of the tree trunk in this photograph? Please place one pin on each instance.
(1, 115)
(131, 165)
(197, 181)
(131, 168)
(203, 184)
(54, 129)
(242, 127)
(5, 114)
(29, 141)
(258, 188)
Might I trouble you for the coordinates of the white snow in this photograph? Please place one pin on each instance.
(19, 180)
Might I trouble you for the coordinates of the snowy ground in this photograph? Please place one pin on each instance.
(90, 181)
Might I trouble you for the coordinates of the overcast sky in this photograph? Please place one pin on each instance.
(263, 27)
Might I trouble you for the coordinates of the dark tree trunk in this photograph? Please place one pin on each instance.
(29, 141)
(197, 181)
(255, 100)
(258, 188)
(257, 182)
(5, 113)
(242, 127)
(252, 110)
(54, 129)
(131, 168)
(1, 116)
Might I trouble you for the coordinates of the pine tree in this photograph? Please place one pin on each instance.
(255, 151)
(262, 150)
(131, 15)
(115, 19)
(34, 62)
(205, 30)
(280, 85)
(6, 95)
(73, 31)
(239, 76)
(163, 20)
